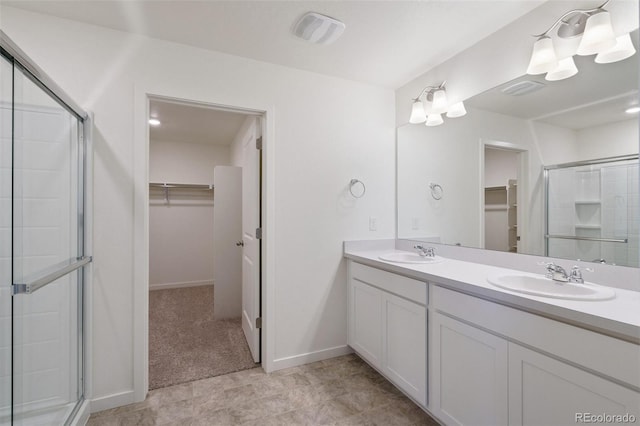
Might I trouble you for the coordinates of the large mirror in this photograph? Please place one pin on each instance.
(536, 167)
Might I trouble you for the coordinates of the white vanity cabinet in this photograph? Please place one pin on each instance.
(491, 364)
(387, 326)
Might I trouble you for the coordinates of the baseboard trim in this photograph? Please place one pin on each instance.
(166, 286)
(297, 360)
(112, 401)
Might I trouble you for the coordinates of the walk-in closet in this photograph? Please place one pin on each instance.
(195, 250)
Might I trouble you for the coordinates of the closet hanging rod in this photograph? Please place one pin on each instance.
(180, 186)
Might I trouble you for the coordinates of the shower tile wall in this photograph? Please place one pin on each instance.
(45, 322)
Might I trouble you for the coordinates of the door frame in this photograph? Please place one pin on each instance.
(143, 95)
(523, 185)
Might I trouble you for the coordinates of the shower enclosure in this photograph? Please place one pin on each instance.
(593, 213)
(42, 246)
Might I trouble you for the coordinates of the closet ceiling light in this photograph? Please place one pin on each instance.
(597, 37)
(437, 104)
(154, 122)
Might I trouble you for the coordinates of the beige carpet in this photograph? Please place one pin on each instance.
(186, 343)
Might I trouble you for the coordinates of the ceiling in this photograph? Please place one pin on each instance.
(597, 95)
(193, 123)
(386, 43)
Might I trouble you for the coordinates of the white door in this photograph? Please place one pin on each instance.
(467, 374)
(251, 249)
(545, 391)
(227, 253)
(405, 349)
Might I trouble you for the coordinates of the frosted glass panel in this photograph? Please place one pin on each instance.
(47, 339)
(595, 208)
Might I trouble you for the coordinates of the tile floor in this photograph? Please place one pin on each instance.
(338, 391)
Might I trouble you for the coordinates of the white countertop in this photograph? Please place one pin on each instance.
(618, 317)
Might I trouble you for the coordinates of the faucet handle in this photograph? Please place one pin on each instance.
(550, 266)
(430, 252)
(576, 274)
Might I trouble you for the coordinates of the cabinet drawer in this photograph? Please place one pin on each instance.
(396, 284)
(607, 355)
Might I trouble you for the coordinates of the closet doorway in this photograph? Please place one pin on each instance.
(502, 190)
(204, 241)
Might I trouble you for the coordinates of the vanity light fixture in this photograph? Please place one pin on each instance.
(437, 104)
(154, 122)
(598, 38)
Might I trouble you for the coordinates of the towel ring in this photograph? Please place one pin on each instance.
(355, 182)
(436, 191)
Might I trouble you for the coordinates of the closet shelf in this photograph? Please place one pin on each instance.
(579, 202)
(495, 188)
(166, 187)
(588, 226)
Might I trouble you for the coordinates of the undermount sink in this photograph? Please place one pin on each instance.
(408, 257)
(538, 285)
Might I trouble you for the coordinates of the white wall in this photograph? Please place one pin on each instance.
(500, 165)
(182, 162)
(181, 237)
(316, 151)
(608, 140)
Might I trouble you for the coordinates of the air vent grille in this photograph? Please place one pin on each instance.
(319, 29)
(523, 87)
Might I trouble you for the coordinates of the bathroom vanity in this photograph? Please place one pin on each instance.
(472, 353)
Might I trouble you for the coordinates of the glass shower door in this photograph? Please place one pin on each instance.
(43, 222)
(592, 211)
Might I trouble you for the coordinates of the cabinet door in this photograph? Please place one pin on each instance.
(467, 374)
(404, 343)
(365, 321)
(545, 391)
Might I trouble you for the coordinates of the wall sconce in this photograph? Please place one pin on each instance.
(598, 38)
(436, 97)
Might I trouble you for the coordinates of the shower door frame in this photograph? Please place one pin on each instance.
(545, 172)
(18, 58)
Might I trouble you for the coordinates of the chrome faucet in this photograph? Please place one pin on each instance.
(556, 273)
(425, 251)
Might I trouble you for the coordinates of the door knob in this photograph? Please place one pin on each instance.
(240, 243)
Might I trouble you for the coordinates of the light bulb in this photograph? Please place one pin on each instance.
(456, 110)
(598, 34)
(543, 57)
(621, 50)
(434, 120)
(566, 68)
(154, 122)
(439, 104)
(418, 115)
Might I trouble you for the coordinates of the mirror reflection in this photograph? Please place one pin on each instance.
(536, 167)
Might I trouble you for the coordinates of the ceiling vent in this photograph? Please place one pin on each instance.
(319, 29)
(523, 87)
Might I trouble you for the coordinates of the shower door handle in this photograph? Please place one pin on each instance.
(240, 243)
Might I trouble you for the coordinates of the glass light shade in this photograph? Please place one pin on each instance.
(598, 35)
(418, 115)
(434, 120)
(543, 57)
(622, 50)
(439, 104)
(566, 68)
(456, 110)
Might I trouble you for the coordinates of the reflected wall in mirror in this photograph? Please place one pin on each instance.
(490, 165)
